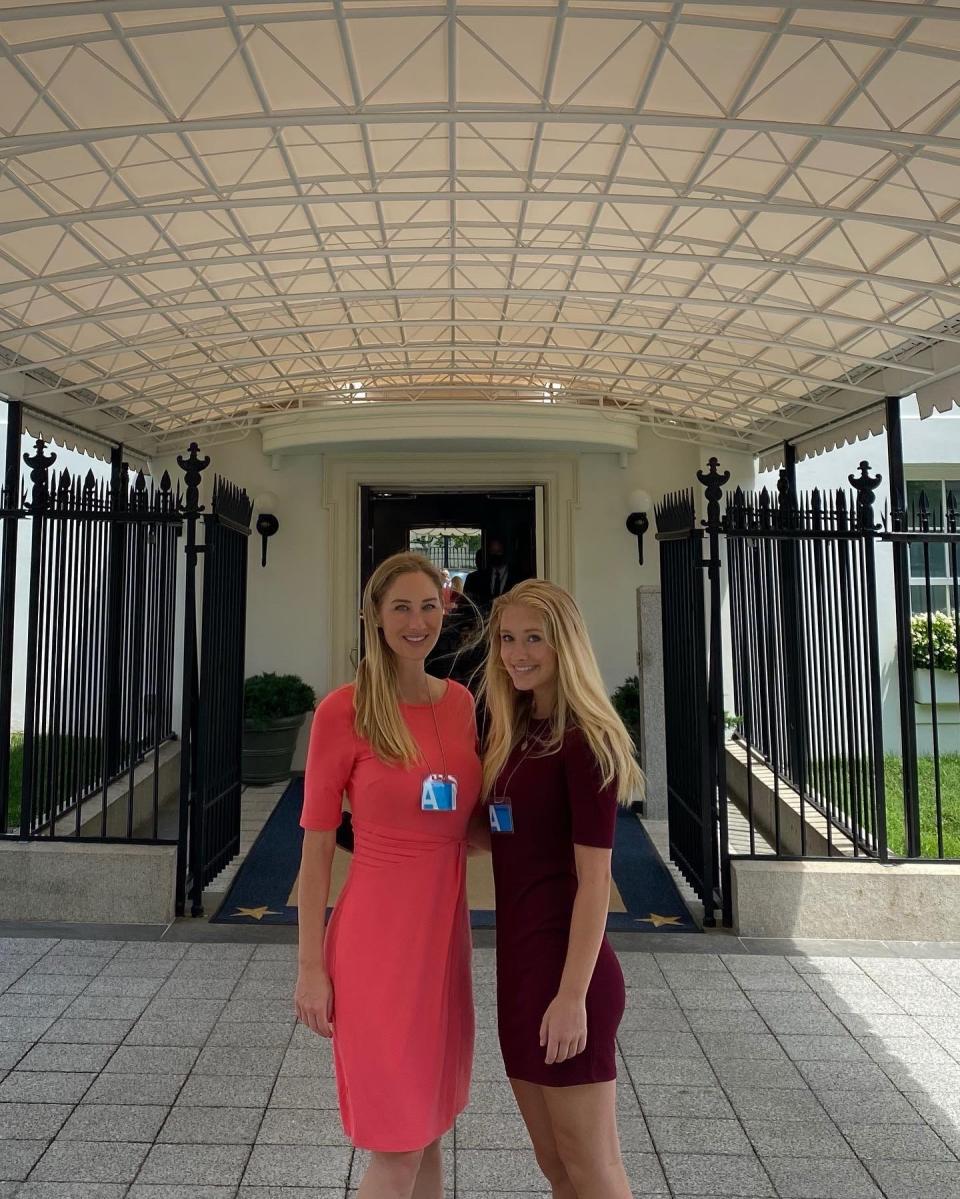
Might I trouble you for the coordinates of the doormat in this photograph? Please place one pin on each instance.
(261, 893)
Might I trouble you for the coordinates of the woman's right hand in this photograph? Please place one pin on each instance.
(313, 1001)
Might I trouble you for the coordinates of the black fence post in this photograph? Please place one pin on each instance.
(791, 610)
(10, 506)
(39, 464)
(901, 585)
(713, 481)
(189, 832)
(866, 487)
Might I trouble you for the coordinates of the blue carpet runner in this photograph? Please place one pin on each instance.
(264, 881)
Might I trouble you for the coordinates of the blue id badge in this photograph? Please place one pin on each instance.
(501, 816)
(438, 793)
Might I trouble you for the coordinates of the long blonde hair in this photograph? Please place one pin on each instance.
(581, 698)
(376, 696)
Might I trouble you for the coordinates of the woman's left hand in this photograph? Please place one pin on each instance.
(563, 1029)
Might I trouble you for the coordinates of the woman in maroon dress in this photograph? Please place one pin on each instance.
(557, 762)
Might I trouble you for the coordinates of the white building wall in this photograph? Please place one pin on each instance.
(287, 604)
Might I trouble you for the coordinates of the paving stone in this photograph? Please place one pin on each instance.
(246, 1192)
(149, 1190)
(211, 1125)
(152, 949)
(90, 1161)
(253, 1036)
(706, 1022)
(203, 989)
(690, 1135)
(658, 1043)
(11, 1052)
(757, 1103)
(78, 1030)
(302, 1126)
(705, 1102)
(207, 1090)
(928, 1077)
(800, 1138)
(114, 1122)
(143, 1059)
(80, 964)
(24, 1028)
(731, 1174)
(85, 1058)
(72, 1190)
(105, 1007)
(802, 1048)
(227, 1061)
(194, 1165)
(123, 986)
(17, 1158)
(48, 984)
(907, 1050)
(232, 951)
(202, 1011)
(258, 1010)
(12, 1004)
(185, 1032)
(901, 1142)
(733, 1000)
(298, 1166)
(844, 1076)
(807, 1178)
(492, 1130)
(853, 1109)
(32, 1121)
(140, 969)
(653, 1020)
(300, 1091)
(197, 968)
(498, 1170)
(136, 1088)
(778, 1075)
(670, 1071)
(39, 1086)
(749, 1047)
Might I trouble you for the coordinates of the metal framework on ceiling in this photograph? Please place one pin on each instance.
(726, 218)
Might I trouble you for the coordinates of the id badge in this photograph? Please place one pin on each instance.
(501, 816)
(438, 793)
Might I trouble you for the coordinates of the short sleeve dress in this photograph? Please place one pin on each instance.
(398, 942)
(558, 801)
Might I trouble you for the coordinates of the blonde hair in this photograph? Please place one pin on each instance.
(457, 584)
(376, 696)
(581, 698)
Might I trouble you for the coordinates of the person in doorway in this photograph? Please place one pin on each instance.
(390, 979)
(557, 762)
(484, 584)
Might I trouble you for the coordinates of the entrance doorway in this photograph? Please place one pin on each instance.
(455, 530)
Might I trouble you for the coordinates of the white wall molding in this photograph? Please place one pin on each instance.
(455, 426)
(344, 475)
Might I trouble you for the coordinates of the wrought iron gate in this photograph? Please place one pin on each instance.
(213, 680)
(692, 701)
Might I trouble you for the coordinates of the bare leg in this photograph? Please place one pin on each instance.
(429, 1184)
(390, 1176)
(584, 1122)
(533, 1108)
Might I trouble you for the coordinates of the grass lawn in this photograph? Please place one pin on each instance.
(949, 798)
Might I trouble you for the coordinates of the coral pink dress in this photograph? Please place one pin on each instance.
(398, 943)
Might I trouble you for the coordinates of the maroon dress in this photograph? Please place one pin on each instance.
(557, 801)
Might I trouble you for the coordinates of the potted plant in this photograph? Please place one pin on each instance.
(626, 701)
(273, 711)
(934, 643)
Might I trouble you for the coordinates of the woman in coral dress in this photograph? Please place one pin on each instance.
(557, 761)
(390, 979)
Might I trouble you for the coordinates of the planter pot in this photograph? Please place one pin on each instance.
(946, 684)
(268, 752)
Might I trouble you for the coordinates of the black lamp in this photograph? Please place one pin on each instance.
(267, 523)
(638, 522)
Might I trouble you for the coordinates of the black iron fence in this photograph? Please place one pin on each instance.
(835, 748)
(98, 644)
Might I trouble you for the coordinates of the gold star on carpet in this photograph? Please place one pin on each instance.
(256, 913)
(658, 921)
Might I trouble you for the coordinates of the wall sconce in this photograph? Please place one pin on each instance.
(638, 522)
(267, 523)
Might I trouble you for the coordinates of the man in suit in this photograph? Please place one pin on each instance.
(486, 583)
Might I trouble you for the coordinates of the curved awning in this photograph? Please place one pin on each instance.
(737, 222)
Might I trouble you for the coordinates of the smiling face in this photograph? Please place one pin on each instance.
(529, 660)
(411, 615)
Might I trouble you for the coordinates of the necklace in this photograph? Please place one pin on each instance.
(524, 754)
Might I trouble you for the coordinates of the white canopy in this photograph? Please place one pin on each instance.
(738, 221)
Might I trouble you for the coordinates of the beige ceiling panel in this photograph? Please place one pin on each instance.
(299, 66)
(398, 59)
